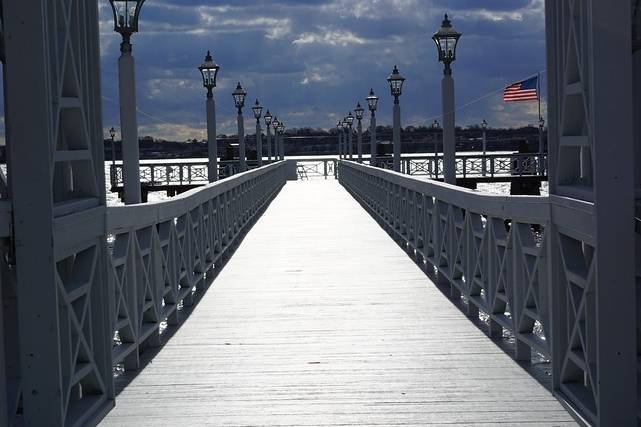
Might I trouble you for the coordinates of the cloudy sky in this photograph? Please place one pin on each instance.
(310, 61)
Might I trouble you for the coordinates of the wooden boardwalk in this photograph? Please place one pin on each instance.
(320, 319)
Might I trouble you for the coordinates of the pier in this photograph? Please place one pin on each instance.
(370, 296)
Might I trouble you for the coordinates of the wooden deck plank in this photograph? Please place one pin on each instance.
(320, 319)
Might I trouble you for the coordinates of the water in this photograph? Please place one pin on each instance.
(500, 188)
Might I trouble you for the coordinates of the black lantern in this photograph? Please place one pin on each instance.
(275, 124)
(112, 133)
(258, 110)
(446, 40)
(359, 112)
(268, 118)
(541, 122)
(239, 97)
(281, 128)
(209, 70)
(435, 125)
(396, 81)
(484, 124)
(372, 101)
(349, 119)
(126, 14)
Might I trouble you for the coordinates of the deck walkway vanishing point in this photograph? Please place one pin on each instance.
(319, 318)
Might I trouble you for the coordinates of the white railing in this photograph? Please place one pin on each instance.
(473, 165)
(489, 250)
(165, 253)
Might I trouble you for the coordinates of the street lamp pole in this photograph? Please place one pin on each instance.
(239, 101)
(209, 71)
(339, 137)
(281, 135)
(436, 127)
(257, 109)
(281, 132)
(446, 40)
(350, 121)
(484, 126)
(126, 14)
(275, 124)
(372, 103)
(396, 81)
(359, 128)
(112, 134)
(268, 121)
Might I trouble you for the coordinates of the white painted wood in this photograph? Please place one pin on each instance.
(319, 319)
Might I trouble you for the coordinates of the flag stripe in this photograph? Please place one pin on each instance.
(525, 90)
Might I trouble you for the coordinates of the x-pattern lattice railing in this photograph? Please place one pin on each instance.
(171, 173)
(163, 253)
(490, 250)
(315, 168)
(473, 166)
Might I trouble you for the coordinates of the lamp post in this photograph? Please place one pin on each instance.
(112, 170)
(359, 129)
(372, 103)
(239, 101)
(345, 143)
(257, 109)
(126, 13)
(446, 40)
(350, 121)
(275, 124)
(209, 71)
(268, 121)
(541, 147)
(281, 133)
(435, 127)
(396, 81)
(339, 138)
(484, 126)
(112, 134)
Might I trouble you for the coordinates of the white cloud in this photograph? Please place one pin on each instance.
(330, 37)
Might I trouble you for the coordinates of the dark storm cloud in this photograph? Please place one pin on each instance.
(310, 61)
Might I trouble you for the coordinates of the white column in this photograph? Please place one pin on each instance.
(129, 125)
(269, 144)
(31, 138)
(259, 144)
(449, 133)
(359, 141)
(242, 160)
(372, 140)
(613, 157)
(212, 147)
(396, 136)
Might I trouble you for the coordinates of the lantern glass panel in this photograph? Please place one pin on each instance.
(349, 119)
(268, 118)
(126, 14)
(258, 110)
(359, 112)
(372, 101)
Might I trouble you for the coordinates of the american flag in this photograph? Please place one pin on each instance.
(525, 90)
